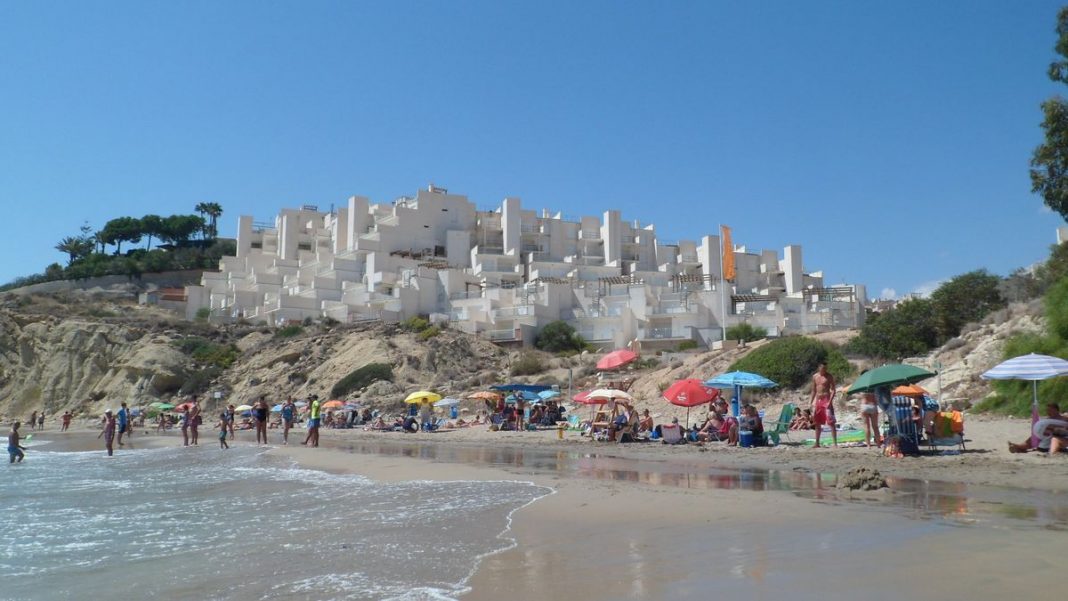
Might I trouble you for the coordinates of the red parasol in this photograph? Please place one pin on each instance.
(616, 359)
(183, 407)
(690, 392)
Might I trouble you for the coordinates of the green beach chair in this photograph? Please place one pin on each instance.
(781, 425)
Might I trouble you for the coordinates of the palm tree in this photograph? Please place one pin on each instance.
(74, 247)
(201, 209)
(213, 210)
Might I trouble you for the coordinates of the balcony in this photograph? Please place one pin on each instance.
(516, 311)
(501, 335)
(588, 235)
(688, 258)
(669, 309)
(665, 332)
(469, 294)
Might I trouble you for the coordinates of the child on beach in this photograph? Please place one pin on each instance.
(222, 425)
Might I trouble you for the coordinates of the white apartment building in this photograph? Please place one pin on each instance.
(505, 273)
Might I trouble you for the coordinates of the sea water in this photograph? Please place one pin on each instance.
(201, 523)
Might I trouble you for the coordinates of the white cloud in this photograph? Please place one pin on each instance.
(926, 288)
(888, 294)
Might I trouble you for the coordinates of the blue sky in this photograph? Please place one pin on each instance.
(891, 139)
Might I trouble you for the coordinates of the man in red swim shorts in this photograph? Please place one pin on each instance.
(823, 389)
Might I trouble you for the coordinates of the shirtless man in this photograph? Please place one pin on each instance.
(14, 449)
(66, 421)
(822, 403)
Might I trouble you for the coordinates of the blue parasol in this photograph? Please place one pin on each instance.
(739, 380)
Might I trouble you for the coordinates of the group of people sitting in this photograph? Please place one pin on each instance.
(720, 425)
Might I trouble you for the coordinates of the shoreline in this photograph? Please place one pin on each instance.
(662, 531)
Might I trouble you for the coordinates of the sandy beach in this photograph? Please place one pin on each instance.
(649, 521)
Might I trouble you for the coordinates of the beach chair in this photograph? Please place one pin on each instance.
(573, 422)
(899, 416)
(671, 434)
(781, 425)
(947, 430)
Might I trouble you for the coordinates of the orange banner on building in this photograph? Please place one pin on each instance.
(727, 253)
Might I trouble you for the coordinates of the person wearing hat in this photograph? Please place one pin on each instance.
(108, 432)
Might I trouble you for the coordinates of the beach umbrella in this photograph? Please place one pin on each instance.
(447, 402)
(333, 404)
(521, 395)
(548, 395)
(515, 386)
(243, 408)
(690, 392)
(737, 380)
(162, 406)
(484, 395)
(616, 359)
(277, 408)
(301, 403)
(1033, 367)
(183, 407)
(607, 394)
(418, 397)
(908, 390)
(889, 375)
(584, 399)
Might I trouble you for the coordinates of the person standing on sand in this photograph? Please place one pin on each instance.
(66, 421)
(313, 422)
(14, 449)
(40, 421)
(822, 403)
(123, 418)
(194, 419)
(869, 414)
(33, 421)
(289, 413)
(108, 432)
(185, 428)
(260, 413)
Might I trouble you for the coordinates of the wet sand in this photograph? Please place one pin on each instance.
(654, 522)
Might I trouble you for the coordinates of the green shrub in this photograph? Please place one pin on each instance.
(428, 333)
(203, 313)
(646, 363)
(686, 345)
(527, 364)
(790, 362)
(289, 331)
(906, 330)
(200, 381)
(745, 332)
(1015, 396)
(361, 378)
(415, 324)
(558, 337)
(207, 352)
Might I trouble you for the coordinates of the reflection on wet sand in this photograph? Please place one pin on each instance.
(952, 502)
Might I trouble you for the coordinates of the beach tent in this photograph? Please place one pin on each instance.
(1032, 367)
(516, 386)
(617, 359)
(737, 380)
